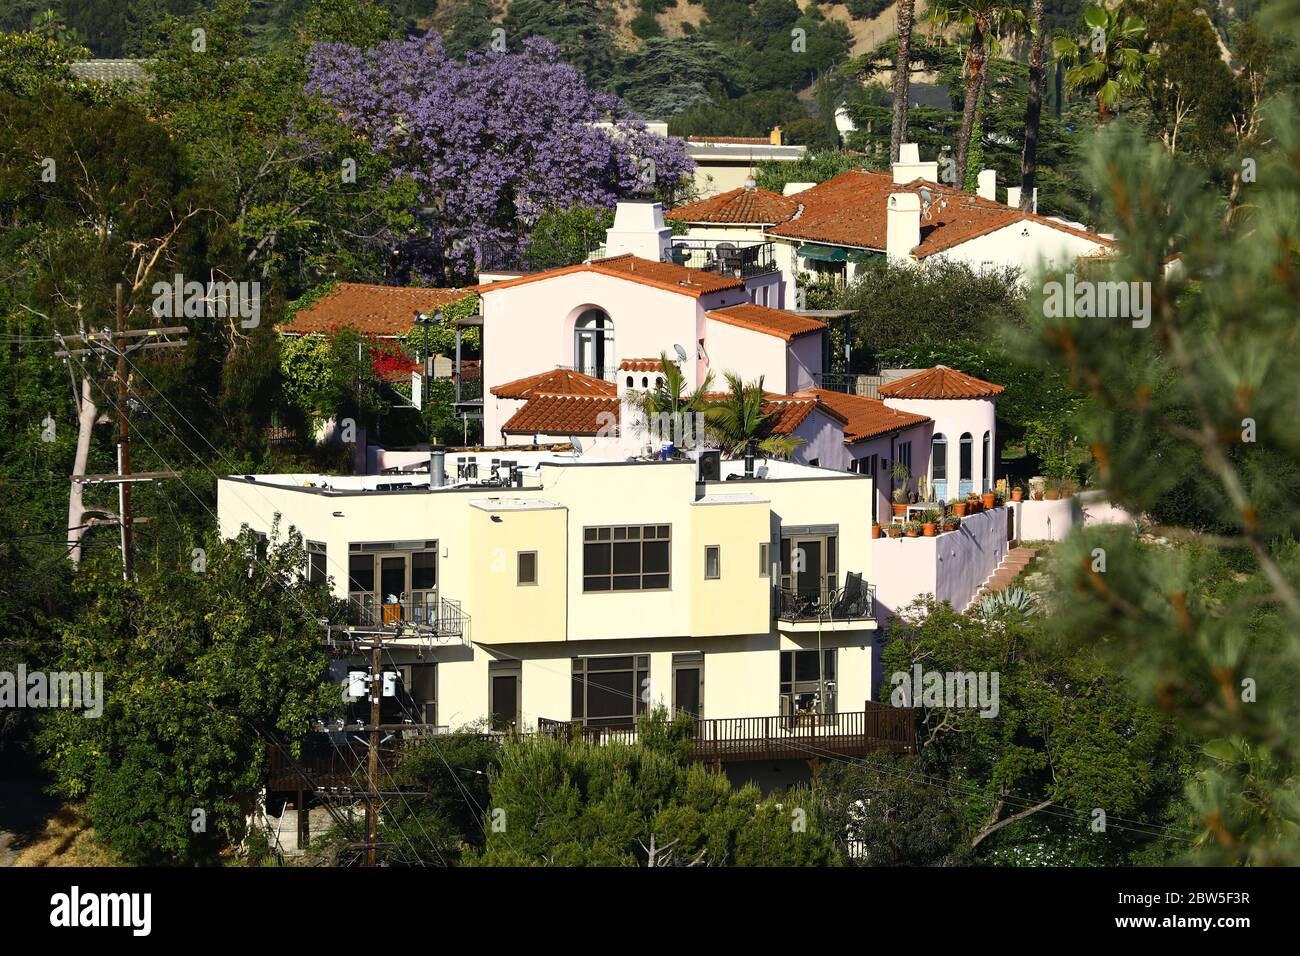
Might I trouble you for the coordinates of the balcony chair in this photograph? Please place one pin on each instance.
(853, 599)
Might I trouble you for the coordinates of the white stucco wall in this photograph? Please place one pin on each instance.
(1025, 245)
(951, 566)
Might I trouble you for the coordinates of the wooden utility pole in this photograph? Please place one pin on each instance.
(120, 343)
(372, 803)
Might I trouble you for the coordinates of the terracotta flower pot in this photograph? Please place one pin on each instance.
(900, 509)
(875, 530)
(1051, 495)
(960, 509)
(989, 500)
(951, 526)
(910, 534)
(1017, 495)
(895, 531)
(928, 529)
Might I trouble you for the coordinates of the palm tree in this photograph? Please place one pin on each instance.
(1033, 110)
(1106, 63)
(984, 17)
(738, 418)
(669, 398)
(902, 74)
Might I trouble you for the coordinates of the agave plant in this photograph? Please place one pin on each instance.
(737, 418)
(1012, 599)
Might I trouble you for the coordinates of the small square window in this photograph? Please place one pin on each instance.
(763, 560)
(712, 562)
(527, 567)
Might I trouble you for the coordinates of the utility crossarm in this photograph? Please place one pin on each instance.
(120, 479)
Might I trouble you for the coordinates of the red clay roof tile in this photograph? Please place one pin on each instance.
(556, 382)
(661, 275)
(385, 310)
(865, 417)
(563, 415)
(760, 318)
(754, 206)
(940, 382)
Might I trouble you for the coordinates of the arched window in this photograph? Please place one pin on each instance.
(593, 343)
(645, 381)
(988, 461)
(966, 448)
(939, 466)
(630, 381)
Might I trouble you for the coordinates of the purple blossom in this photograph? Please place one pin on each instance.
(493, 141)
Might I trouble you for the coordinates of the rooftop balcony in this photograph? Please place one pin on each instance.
(418, 616)
(739, 259)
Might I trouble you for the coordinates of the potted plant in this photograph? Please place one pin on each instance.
(912, 529)
(959, 508)
(1017, 493)
(895, 530)
(875, 529)
(951, 523)
(930, 522)
(902, 475)
(989, 500)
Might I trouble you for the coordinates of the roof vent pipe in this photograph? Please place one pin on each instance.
(437, 470)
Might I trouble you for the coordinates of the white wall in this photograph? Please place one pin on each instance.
(950, 566)
(952, 419)
(1026, 245)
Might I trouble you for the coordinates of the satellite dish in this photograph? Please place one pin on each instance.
(925, 196)
(681, 353)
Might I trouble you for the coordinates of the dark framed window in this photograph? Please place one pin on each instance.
(611, 691)
(905, 454)
(316, 569)
(505, 694)
(807, 682)
(966, 447)
(764, 559)
(527, 572)
(627, 558)
(712, 562)
(688, 684)
(939, 457)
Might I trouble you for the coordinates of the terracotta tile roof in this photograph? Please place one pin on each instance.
(865, 417)
(639, 365)
(738, 206)
(940, 382)
(661, 275)
(786, 412)
(387, 310)
(562, 415)
(760, 318)
(556, 382)
(850, 210)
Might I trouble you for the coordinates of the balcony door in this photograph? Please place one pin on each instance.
(393, 583)
(808, 565)
(593, 344)
(688, 684)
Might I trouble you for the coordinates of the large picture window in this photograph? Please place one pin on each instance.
(610, 691)
(626, 558)
(807, 682)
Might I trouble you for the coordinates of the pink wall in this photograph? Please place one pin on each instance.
(885, 448)
(804, 361)
(747, 353)
(952, 418)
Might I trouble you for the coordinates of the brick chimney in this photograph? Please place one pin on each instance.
(903, 226)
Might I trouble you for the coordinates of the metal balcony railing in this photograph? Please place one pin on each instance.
(469, 391)
(502, 257)
(866, 386)
(741, 260)
(853, 602)
(422, 613)
(608, 373)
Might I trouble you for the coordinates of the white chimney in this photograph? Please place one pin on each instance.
(789, 189)
(987, 185)
(639, 229)
(910, 167)
(1013, 197)
(903, 226)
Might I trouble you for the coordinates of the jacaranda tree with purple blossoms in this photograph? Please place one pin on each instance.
(492, 142)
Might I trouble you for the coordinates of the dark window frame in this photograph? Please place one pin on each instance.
(583, 667)
(608, 548)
